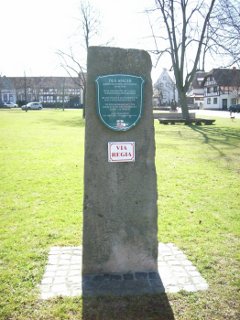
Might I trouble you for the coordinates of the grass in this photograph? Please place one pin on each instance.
(41, 190)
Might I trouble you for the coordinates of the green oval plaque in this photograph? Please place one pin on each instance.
(119, 100)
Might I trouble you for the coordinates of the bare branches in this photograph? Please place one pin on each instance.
(73, 67)
(75, 64)
(89, 22)
(224, 31)
(185, 26)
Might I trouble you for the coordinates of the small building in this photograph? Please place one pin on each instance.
(195, 94)
(221, 88)
(164, 90)
(7, 91)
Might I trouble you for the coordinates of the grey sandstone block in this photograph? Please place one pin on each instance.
(120, 199)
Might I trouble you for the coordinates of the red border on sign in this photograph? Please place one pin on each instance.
(110, 159)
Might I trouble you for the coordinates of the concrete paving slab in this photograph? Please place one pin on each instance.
(63, 276)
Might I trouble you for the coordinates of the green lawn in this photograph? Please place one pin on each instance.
(41, 190)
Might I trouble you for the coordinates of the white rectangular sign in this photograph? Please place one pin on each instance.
(121, 151)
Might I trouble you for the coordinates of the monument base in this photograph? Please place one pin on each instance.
(122, 284)
(63, 276)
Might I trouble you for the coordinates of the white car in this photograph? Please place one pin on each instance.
(10, 105)
(32, 106)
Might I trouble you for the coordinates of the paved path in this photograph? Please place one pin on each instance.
(216, 113)
(63, 276)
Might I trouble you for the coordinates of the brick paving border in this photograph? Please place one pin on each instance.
(63, 276)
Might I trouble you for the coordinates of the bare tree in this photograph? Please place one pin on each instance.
(185, 23)
(223, 36)
(90, 23)
(74, 69)
(75, 64)
(158, 95)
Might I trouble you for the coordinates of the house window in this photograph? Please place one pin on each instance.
(208, 90)
(208, 100)
(215, 101)
(215, 89)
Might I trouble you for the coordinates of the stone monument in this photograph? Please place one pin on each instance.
(120, 193)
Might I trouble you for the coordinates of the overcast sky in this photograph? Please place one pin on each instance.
(31, 31)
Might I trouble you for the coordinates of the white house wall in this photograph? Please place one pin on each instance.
(209, 101)
(8, 96)
(167, 87)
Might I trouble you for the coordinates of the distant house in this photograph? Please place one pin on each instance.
(51, 91)
(7, 90)
(164, 90)
(221, 88)
(195, 94)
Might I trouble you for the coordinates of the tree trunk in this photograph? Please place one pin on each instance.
(183, 104)
(84, 101)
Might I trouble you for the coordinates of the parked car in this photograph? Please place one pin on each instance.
(234, 108)
(10, 105)
(32, 106)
